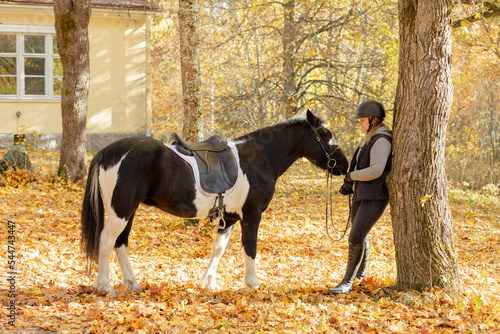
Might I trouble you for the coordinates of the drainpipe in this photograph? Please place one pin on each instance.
(19, 139)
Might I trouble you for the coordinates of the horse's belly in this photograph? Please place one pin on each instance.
(233, 201)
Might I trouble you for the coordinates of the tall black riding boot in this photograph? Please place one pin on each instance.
(364, 261)
(353, 262)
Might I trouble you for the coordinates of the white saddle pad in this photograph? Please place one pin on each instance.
(191, 160)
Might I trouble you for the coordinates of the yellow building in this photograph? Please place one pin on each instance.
(31, 72)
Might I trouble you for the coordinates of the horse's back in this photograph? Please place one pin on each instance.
(130, 146)
(147, 171)
(141, 159)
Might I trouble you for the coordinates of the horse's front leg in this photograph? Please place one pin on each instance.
(249, 231)
(208, 280)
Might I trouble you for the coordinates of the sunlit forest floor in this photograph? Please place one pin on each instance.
(297, 262)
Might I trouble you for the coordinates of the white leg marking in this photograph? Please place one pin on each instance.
(112, 229)
(208, 279)
(250, 281)
(128, 277)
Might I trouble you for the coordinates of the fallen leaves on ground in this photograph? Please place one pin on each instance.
(296, 263)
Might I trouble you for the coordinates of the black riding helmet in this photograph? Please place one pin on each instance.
(370, 108)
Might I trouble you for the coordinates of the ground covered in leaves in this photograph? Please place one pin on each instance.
(296, 263)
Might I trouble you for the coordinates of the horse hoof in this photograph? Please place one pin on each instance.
(104, 288)
(133, 286)
(251, 286)
(212, 286)
(209, 284)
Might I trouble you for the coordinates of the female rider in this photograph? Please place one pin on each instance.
(369, 167)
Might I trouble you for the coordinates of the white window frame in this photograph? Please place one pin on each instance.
(49, 56)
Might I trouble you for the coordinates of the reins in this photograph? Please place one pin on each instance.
(329, 208)
(329, 190)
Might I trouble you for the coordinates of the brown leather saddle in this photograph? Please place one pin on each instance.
(217, 165)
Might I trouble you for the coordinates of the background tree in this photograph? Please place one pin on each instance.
(420, 211)
(476, 10)
(190, 68)
(341, 53)
(321, 50)
(288, 42)
(473, 143)
(71, 23)
(166, 79)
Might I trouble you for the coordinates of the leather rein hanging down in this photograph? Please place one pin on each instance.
(329, 180)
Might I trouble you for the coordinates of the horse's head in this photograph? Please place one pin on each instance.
(322, 149)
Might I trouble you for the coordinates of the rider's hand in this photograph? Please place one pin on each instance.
(346, 188)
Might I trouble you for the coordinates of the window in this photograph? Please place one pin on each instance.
(30, 66)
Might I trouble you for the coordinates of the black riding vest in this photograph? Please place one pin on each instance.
(374, 189)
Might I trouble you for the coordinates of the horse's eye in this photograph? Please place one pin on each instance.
(328, 135)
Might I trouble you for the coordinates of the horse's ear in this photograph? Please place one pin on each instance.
(312, 119)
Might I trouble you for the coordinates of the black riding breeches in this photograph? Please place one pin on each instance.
(364, 214)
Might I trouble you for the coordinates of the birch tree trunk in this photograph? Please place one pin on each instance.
(420, 211)
(289, 58)
(71, 23)
(190, 67)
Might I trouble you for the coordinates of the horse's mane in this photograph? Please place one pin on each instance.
(298, 118)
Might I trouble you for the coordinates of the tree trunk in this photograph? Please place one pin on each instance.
(71, 23)
(420, 211)
(289, 58)
(190, 67)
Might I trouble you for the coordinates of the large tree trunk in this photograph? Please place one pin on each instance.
(289, 58)
(420, 209)
(190, 67)
(71, 23)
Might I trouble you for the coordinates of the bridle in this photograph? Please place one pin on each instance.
(329, 179)
(326, 149)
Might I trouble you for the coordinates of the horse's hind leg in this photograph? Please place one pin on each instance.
(121, 245)
(112, 229)
(218, 247)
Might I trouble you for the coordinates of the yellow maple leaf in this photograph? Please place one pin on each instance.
(424, 200)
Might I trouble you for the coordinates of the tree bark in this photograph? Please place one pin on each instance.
(190, 67)
(420, 211)
(71, 22)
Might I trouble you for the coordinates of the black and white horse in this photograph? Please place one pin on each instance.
(138, 170)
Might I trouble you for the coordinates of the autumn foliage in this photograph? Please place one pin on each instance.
(346, 52)
(297, 263)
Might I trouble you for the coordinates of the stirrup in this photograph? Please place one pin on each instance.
(218, 224)
(217, 213)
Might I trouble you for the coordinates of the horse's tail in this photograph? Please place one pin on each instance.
(92, 214)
